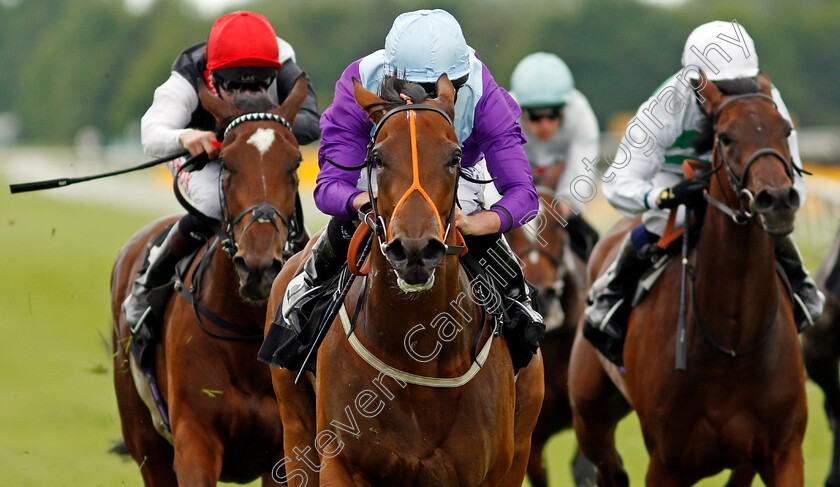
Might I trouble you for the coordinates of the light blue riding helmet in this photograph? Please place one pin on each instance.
(424, 44)
(541, 79)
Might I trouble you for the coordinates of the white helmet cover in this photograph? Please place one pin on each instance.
(424, 44)
(541, 79)
(723, 50)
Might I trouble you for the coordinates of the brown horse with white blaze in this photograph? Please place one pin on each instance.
(391, 403)
(223, 415)
(740, 404)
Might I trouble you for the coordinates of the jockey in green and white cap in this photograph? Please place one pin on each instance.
(562, 136)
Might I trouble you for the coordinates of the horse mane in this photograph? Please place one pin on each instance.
(390, 89)
(704, 141)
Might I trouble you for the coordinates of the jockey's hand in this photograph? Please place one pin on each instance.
(688, 192)
(198, 141)
(483, 223)
(360, 200)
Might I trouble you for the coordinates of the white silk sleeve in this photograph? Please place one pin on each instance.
(164, 122)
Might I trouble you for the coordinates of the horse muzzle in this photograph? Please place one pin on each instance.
(414, 261)
(776, 209)
(255, 279)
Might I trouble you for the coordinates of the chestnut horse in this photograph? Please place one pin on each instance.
(432, 415)
(559, 276)
(740, 403)
(821, 350)
(223, 415)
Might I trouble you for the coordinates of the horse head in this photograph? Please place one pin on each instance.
(259, 159)
(416, 188)
(751, 144)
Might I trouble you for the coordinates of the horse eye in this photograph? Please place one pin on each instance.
(456, 160)
(788, 131)
(724, 139)
(377, 161)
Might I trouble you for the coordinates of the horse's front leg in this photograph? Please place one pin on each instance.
(658, 475)
(786, 468)
(301, 465)
(198, 453)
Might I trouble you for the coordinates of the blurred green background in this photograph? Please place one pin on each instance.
(70, 67)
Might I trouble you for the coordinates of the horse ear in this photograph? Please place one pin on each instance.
(765, 87)
(446, 95)
(707, 93)
(369, 101)
(291, 105)
(219, 108)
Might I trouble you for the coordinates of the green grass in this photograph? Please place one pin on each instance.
(58, 413)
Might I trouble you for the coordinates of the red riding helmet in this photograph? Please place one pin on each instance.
(242, 39)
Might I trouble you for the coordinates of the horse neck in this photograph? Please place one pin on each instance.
(220, 291)
(735, 286)
(391, 314)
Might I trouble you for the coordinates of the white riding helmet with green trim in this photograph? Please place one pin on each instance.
(723, 50)
(541, 79)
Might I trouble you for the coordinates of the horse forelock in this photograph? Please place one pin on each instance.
(705, 138)
(391, 90)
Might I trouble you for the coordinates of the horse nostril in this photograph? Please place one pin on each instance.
(433, 253)
(396, 252)
(769, 199)
(793, 198)
(764, 200)
(239, 263)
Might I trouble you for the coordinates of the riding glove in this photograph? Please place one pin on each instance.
(688, 192)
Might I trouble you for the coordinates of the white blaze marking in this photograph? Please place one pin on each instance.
(262, 140)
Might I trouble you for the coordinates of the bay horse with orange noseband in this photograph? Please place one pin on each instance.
(221, 406)
(740, 403)
(398, 397)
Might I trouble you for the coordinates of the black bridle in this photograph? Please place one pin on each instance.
(746, 209)
(261, 213)
(742, 216)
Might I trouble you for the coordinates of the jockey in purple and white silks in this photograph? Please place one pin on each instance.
(422, 46)
(562, 135)
(241, 55)
(648, 178)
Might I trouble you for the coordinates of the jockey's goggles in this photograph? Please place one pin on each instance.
(245, 78)
(537, 114)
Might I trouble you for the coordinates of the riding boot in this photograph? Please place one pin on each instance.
(309, 284)
(522, 323)
(160, 267)
(808, 300)
(602, 326)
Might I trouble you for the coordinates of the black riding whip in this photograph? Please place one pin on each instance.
(331, 312)
(681, 323)
(61, 182)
